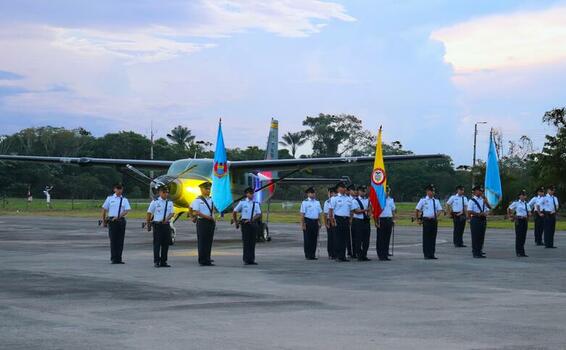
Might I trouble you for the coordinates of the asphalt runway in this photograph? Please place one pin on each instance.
(58, 291)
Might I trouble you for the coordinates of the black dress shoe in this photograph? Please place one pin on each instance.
(364, 259)
(539, 243)
(522, 255)
(207, 264)
(551, 247)
(164, 265)
(384, 259)
(460, 246)
(479, 256)
(250, 263)
(431, 258)
(343, 260)
(156, 265)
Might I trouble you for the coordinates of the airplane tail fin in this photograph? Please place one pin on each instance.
(272, 149)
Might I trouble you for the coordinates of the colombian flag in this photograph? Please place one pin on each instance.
(378, 180)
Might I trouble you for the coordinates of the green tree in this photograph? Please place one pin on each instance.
(333, 135)
(181, 136)
(293, 140)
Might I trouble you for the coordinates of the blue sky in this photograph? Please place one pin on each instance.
(425, 70)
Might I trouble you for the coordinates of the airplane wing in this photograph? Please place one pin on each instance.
(142, 163)
(311, 180)
(314, 163)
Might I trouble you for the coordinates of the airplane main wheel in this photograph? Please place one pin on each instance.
(173, 233)
(265, 232)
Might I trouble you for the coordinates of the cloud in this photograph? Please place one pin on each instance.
(4, 75)
(504, 41)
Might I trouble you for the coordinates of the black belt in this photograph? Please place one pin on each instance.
(203, 219)
(309, 219)
(361, 219)
(341, 217)
(158, 223)
(386, 218)
(430, 219)
(478, 217)
(521, 217)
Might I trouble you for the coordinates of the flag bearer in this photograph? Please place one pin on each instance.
(549, 206)
(330, 230)
(519, 211)
(478, 209)
(538, 215)
(456, 206)
(310, 223)
(203, 210)
(250, 215)
(114, 211)
(385, 224)
(159, 213)
(351, 193)
(427, 211)
(361, 226)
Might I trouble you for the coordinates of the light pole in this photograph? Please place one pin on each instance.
(475, 143)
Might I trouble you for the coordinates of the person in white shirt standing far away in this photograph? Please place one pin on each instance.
(310, 223)
(427, 211)
(159, 213)
(114, 211)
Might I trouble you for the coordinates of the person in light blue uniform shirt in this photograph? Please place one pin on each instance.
(534, 203)
(456, 206)
(361, 224)
(310, 223)
(330, 230)
(339, 213)
(385, 227)
(519, 211)
(159, 213)
(250, 215)
(549, 205)
(478, 210)
(203, 211)
(427, 211)
(114, 211)
(351, 193)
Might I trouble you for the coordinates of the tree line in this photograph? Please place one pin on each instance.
(329, 136)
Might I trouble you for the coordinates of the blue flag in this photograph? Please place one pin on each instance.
(492, 186)
(221, 190)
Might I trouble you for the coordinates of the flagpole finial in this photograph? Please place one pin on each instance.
(220, 120)
(380, 127)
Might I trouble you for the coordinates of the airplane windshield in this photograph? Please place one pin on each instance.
(203, 167)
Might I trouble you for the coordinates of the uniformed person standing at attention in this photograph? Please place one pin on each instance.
(384, 225)
(361, 224)
(427, 211)
(339, 213)
(310, 223)
(351, 193)
(250, 215)
(159, 213)
(330, 230)
(114, 211)
(519, 211)
(456, 206)
(203, 211)
(538, 216)
(549, 207)
(478, 209)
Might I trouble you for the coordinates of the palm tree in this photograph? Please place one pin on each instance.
(293, 140)
(181, 136)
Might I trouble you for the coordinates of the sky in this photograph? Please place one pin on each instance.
(425, 70)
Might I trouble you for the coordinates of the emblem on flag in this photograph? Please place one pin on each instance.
(220, 169)
(378, 176)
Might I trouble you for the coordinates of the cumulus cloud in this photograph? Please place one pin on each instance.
(503, 41)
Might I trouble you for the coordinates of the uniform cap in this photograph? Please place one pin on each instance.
(477, 188)
(118, 186)
(362, 188)
(163, 188)
(331, 189)
(540, 189)
(522, 192)
(552, 187)
(340, 185)
(249, 190)
(352, 187)
(430, 188)
(206, 184)
(460, 187)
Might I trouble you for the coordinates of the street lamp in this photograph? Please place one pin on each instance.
(475, 142)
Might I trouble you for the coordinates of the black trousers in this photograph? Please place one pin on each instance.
(383, 237)
(459, 227)
(549, 228)
(478, 225)
(330, 233)
(521, 227)
(161, 241)
(361, 231)
(349, 241)
(310, 237)
(249, 234)
(342, 234)
(430, 230)
(539, 228)
(205, 236)
(116, 233)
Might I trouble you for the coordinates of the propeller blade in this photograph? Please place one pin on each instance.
(138, 172)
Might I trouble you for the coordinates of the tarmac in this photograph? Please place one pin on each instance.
(59, 291)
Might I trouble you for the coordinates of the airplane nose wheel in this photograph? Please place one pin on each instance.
(263, 234)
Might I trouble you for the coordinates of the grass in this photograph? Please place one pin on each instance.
(280, 212)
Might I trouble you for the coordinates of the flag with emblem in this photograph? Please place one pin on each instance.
(221, 190)
(492, 185)
(378, 180)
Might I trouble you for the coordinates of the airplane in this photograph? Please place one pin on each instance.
(184, 176)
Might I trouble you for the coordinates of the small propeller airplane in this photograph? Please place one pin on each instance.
(184, 176)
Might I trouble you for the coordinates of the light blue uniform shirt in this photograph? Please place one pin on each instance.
(326, 207)
(245, 207)
(356, 205)
(157, 208)
(473, 207)
(200, 206)
(112, 203)
(534, 202)
(521, 208)
(427, 205)
(341, 205)
(311, 208)
(457, 203)
(387, 212)
(549, 203)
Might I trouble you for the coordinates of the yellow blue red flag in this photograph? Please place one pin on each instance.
(378, 180)
(221, 186)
